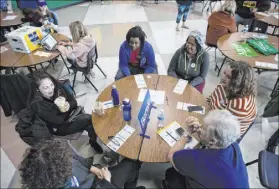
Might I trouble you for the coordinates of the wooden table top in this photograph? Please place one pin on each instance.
(225, 42)
(15, 22)
(9, 57)
(268, 18)
(31, 59)
(154, 149)
(112, 122)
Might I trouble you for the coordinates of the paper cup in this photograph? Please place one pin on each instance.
(60, 102)
(98, 108)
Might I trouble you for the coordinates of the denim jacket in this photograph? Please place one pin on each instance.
(147, 60)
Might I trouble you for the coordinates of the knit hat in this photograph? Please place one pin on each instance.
(198, 36)
(41, 3)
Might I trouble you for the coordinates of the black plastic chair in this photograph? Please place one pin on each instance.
(268, 169)
(257, 24)
(91, 61)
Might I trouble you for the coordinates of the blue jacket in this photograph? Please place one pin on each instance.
(147, 60)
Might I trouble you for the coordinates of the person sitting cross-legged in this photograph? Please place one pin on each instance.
(219, 165)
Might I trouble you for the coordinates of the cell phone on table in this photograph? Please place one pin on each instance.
(180, 131)
(195, 108)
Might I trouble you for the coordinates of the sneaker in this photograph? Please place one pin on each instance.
(177, 29)
(184, 26)
(102, 2)
(96, 146)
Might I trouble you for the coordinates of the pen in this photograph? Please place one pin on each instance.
(171, 136)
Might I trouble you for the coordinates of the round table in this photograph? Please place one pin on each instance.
(268, 18)
(16, 59)
(10, 23)
(225, 42)
(154, 149)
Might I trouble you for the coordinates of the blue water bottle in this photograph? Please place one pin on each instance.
(115, 95)
(127, 110)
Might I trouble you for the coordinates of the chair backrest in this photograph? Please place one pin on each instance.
(268, 169)
(260, 25)
(92, 58)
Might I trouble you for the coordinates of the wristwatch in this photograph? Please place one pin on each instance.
(188, 137)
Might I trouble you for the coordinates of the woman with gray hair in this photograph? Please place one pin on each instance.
(219, 165)
(221, 22)
(237, 93)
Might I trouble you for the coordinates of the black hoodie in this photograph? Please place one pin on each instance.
(245, 12)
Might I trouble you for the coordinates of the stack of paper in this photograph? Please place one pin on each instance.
(119, 139)
(41, 53)
(108, 104)
(169, 134)
(180, 86)
(184, 106)
(266, 64)
(156, 96)
(140, 81)
(9, 17)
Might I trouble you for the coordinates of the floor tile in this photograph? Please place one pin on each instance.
(7, 170)
(71, 14)
(111, 14)
(168, 40)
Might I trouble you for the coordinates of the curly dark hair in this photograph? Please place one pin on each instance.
(136, 32)
(48, 164)
(243, 82)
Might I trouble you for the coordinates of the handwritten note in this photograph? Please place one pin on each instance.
(266, 64)
(180, 86)
(140, 81)
(10, 17)
(184, 106)
(41, 53)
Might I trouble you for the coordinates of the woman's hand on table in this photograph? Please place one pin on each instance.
(97, 172)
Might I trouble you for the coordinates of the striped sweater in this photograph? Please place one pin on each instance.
(244, 108)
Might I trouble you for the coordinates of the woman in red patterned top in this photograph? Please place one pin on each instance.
(236, 93)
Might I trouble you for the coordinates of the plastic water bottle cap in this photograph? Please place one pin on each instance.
(126, 101)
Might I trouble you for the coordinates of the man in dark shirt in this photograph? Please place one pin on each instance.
(220, 165)
(246, 9)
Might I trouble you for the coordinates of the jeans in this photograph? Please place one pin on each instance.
(183, 11)
(133, 70)
(243, 21)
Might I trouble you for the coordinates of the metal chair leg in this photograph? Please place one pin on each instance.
(275, 86)
(221, 66)
(90, 82)
(42, 67)
(251, 162)
(101, 70)
(65, 64)
(74, 80)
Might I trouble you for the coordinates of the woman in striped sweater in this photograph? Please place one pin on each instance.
(236, 93)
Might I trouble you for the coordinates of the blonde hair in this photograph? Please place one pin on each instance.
(78, 31)
(229, 6)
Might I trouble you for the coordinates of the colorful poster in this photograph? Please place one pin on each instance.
(244, 49)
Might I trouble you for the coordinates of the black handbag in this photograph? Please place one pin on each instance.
(75, 113)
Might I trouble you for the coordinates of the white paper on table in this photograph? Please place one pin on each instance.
(3, 49)
(156, 96)
(191, 144)
(274, 66)
(169, 134)
(119, 139)
(186, 105)
(179, 106)
(10, 17)
(263, 13)
(276, 16)
(140, 81)
(108, 104)
(180, 86)
(261, 64)
(41, 53)
(276, 57)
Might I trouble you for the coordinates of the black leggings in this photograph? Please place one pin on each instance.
(83, 122)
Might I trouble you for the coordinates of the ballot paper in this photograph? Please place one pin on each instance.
(108, 104)
(3, 49)
(119, 139)
(12, 17)
(184, 106)
(156, 96)
(41, 53)
(170, 136)
(266, 64)
(180, 86)
(140, 81)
